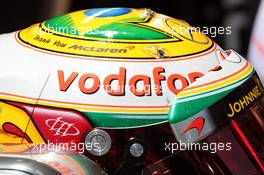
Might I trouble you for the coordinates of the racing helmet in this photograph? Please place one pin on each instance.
(109, 81)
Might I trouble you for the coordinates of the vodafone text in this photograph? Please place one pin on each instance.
(132, 83)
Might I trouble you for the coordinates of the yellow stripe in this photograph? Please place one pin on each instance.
(18, 99)
(106, 109)
(86, 107)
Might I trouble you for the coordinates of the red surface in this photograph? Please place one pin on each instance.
(57, 125)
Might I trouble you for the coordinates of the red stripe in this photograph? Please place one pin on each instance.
(246, 142)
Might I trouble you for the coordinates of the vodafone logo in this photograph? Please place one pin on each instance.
(139, 84)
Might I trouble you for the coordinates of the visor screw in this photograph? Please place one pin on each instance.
(100, 142)
(136, 150)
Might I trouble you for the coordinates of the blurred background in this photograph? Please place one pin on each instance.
(238, 14)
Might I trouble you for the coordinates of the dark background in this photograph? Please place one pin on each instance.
(239, 14)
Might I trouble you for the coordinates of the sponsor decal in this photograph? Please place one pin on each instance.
(198, 124)
(125, 85)
(97, 49)
(62, 128)
(59, 125)
(245, 101)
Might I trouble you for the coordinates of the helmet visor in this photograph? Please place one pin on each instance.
(227, 136)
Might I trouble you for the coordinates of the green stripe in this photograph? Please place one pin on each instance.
(115, 120)
(181, 111)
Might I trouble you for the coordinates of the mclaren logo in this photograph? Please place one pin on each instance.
(198, 124)
(97, 49)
